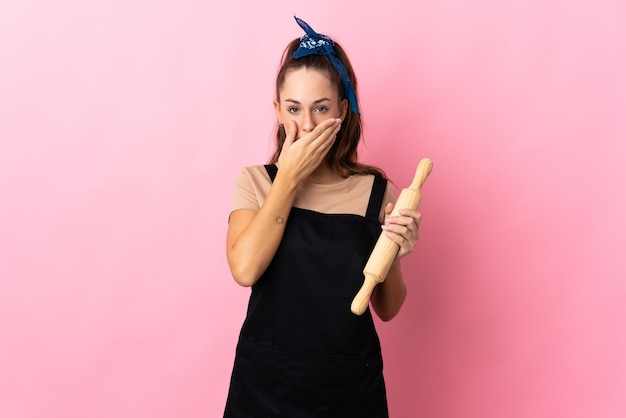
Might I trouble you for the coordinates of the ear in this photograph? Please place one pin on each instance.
(343, 108)
(277, 110)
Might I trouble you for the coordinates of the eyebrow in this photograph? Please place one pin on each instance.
(318, 101)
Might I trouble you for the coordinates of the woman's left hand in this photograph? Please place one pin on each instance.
(402, 229)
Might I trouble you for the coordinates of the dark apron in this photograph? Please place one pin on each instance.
(302, 352)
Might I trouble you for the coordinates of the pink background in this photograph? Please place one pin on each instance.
(124, 124)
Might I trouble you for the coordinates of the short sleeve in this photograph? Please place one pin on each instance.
(251, 188)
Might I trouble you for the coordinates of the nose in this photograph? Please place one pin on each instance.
(307, 122)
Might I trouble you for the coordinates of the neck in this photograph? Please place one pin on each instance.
(324, 175)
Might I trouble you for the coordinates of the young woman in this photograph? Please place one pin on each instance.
(300, 232)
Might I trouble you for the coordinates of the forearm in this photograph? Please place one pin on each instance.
(253, 238)
(389, 296)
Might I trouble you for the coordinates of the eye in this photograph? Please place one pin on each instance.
(321, 109)
(292, 109)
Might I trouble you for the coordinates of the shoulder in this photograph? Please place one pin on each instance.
(254, 172)
(253, 177)
(251, 188)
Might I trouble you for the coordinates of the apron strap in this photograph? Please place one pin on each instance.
(376, 198)
(271, 171)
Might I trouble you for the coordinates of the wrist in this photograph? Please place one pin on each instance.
(286, 181)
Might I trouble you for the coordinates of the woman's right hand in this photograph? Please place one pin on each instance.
(301, 156)
(253, 237)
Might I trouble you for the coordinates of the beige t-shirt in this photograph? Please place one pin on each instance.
(350, 196)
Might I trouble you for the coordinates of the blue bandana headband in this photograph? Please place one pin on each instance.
(315, 43)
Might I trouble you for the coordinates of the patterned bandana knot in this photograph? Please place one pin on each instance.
(314, 43)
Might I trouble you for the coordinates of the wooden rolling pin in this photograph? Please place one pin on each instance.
(385, 251)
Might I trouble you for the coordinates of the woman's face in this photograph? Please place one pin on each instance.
(308, 97)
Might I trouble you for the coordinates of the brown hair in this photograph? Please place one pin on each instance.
(342, 156)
